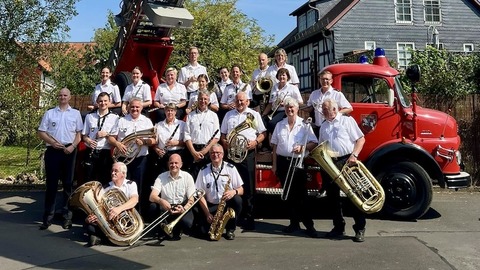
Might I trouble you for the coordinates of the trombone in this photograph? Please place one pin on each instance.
(168, 228)
(296, 162)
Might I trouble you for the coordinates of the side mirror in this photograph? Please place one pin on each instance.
(413, 73)
(391, 97)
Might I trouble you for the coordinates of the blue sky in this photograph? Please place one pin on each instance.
(271, 15)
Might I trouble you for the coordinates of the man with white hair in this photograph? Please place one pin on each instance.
(129, 188)
(346, 140)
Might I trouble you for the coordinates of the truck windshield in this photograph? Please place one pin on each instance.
(402, 96)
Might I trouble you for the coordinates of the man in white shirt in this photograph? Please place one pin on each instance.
(317, 97)
(172, 192)
(189, 73)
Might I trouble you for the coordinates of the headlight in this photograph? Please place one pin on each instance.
(459, 157)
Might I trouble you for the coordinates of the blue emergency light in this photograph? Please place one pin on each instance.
(363, 59)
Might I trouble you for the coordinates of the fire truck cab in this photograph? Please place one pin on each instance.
(407, 148)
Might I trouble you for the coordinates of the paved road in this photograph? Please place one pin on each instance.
(446, 238)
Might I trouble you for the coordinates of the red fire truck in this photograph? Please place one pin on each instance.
(145, 40)
(407, 147)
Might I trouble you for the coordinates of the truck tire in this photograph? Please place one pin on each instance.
(123, 79)
(408, 190)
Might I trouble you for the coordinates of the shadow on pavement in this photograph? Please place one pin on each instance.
(25, 246)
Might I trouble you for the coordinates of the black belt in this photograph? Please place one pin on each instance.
(65, 145)
(175, 151)
(286, 158)
(198, 147)
(340, 158)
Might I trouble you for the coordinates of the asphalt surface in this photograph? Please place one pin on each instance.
(445, 238)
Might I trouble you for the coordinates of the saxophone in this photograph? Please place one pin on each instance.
(237, 143)
(220, 219)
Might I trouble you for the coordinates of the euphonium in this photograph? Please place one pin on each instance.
(355, 181)
(123, 229)
(264, 85)
(237, 143)
(220, 219)
(132, 148)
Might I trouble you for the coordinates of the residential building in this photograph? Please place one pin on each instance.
(328, 30)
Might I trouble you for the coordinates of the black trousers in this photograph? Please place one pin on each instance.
(194, 167)
(246, 169)
(136, 172)
(336, 202)
(97, 164)
(58, 166)
(185, 223)
(235, 203)
(270, 124)
(298, 208)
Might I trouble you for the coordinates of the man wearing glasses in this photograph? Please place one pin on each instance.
(326, 90)
(221, 182)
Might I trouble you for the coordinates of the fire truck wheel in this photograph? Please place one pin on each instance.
(408, 190)
(123, 79)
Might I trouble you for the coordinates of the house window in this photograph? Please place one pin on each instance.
(432, 11)
(403, 11)
(370, 45)
(468, 47)
(311, 17)
(302, 22)
(404, 53)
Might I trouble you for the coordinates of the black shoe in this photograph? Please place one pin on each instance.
(230, 235)
(44, 226)
(67, 224)
(94, 241)
(359, 236)
(291, 228)
(336, 233)
(311, 232)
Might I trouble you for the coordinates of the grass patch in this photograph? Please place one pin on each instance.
(13, 161)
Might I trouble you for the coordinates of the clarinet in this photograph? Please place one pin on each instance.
(171, 137)
(209, 141)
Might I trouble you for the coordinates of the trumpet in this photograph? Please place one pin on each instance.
(277, 104)
(296, 163)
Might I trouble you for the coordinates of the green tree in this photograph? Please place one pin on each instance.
(104, 39)
(446, 76)
(25, 27)
(224, 34)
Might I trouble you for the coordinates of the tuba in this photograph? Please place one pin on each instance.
(132, 148)
(220, 219)
(264, 85)
(124, 228)
(355, 181)
(237, 143)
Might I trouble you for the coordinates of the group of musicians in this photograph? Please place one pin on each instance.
(198, 144)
